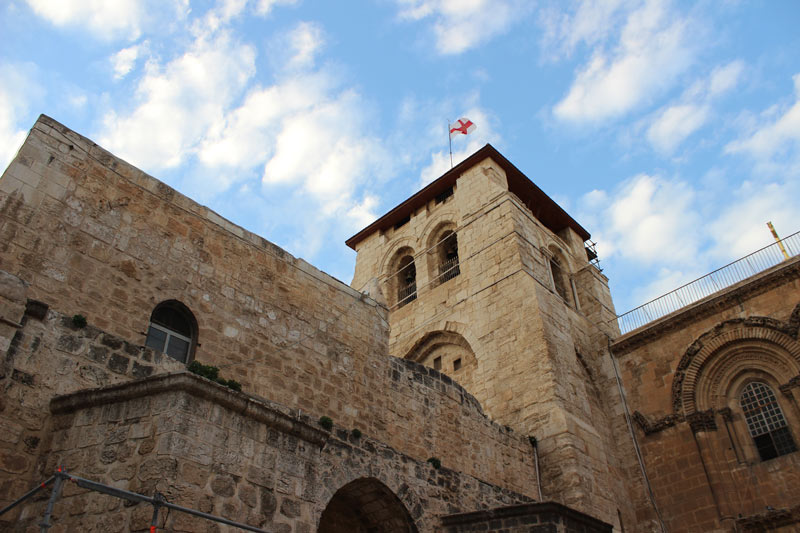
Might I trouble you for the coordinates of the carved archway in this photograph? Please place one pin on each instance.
(719, 355)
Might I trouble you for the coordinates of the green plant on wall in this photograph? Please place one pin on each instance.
(212, 373)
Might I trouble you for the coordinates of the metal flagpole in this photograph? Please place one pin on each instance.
(450, 143)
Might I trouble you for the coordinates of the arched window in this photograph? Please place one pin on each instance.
(558, 278)
(173, 330)
(448, 257)
(765, 421)
(407, 281)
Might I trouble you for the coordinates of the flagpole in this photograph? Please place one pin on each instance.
(450, 143)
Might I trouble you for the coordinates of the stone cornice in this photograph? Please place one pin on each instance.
(525, 509)
(772, 519)
(728, 297)
(265, 412)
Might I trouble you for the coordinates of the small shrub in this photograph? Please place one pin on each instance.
(79, 321)
(235, 385)
(356, 433)
(206, 371)
(435, 462)
(326, 422)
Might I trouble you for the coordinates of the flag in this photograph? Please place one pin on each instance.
(464, 126)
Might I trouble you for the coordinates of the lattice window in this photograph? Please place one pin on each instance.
(765, 421)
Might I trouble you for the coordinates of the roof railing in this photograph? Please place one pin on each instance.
(713, 282)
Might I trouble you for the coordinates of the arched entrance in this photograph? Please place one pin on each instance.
(365, 506)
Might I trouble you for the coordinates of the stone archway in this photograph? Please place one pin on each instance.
(365, 506)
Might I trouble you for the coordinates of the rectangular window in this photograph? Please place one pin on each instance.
(457, 364)
(444, 195)
(437, 363)
(402, 222)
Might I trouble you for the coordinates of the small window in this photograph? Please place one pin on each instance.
(437, 363)
(402, 222)
(444, 195)
(558, 278)
(765, 421)
(457, 364)
(172, 330)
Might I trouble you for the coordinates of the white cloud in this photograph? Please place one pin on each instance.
(654, 48)
(265, 6)
(674, 124)
(123, 61)
(740, 228)
(17, 91)
(591, 22)
(305, 41)
(120, 19)
(776, 133)
(648, 219)
(723, 79)
(463, 24)
(178, 103)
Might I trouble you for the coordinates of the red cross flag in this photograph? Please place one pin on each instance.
(463, 126)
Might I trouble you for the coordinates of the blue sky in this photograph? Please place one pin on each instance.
(670, 130)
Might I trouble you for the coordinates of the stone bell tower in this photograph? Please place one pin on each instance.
(490, 282)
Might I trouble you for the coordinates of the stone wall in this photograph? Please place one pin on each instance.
(225, 453)
(90, 234)
(683, 375)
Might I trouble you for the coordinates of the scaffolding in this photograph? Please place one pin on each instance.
(158, 501)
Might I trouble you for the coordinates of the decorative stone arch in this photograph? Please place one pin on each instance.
(717, 355)
(367, 485)
(447, 351)
(441, 244)
(735, 356)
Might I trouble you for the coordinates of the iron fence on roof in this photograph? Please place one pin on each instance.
(715, 281)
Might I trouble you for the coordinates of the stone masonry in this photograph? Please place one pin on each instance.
(476, 335)
(530, 352)
(85, 233)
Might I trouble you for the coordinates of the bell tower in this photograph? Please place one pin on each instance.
(490, 282)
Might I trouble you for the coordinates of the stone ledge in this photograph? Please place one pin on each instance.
(239, 402)
(544, 513)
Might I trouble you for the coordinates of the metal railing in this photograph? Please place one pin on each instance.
(448, 270)
(407, 294)
(715, 281)
(157, 501)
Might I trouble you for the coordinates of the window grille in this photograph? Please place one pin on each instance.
(765, 421)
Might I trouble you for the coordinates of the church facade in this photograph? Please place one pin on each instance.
(473, 376)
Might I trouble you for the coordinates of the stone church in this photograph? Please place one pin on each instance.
(474, 376)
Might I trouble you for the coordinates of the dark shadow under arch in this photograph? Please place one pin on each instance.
(365, 506)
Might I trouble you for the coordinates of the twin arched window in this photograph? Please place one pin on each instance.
(765, 421)
(172, 330)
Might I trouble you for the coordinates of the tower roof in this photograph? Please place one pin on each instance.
(547, 211)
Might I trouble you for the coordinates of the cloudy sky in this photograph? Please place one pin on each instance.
(670, 130)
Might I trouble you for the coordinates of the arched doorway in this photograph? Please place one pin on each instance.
(365, 506)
